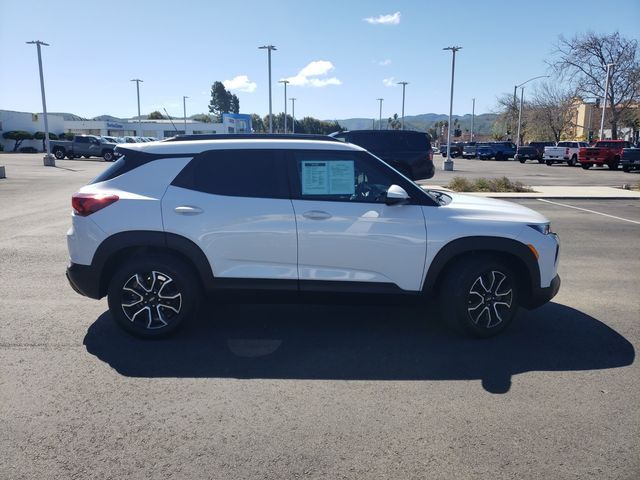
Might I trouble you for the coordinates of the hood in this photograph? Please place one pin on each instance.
(490, 209)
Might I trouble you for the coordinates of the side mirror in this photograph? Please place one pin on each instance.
(396, 195)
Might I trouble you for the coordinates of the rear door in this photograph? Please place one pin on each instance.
(235, 205)
(346, 232)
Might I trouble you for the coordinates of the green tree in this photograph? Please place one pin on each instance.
(18, 136)
(220, 100)
(234, 105)
(41, 136)
(257, 123)
(155, 115)
(202, 117)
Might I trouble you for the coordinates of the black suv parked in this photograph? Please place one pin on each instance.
(407, 151)
(539, 146)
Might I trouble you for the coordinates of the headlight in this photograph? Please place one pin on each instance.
(543, 228)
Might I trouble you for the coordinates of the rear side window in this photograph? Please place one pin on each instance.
(237, 173)
(124, 164)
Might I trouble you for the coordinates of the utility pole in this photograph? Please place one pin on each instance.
(285, 82)
(519, 118)
(269, 48)
(137, 80)
(293, 114)
(380, 118)
(473, 116)
(404, 84)
(48, 160)
(604, 104)
(448, 163)
(184, 110)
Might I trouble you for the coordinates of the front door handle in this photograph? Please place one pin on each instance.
(316, 215)
(188, 210)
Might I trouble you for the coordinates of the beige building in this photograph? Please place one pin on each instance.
(588, 117)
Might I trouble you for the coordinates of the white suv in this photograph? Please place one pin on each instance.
(172, 219)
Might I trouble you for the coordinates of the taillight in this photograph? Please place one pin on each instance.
(87, 203)
(430, 155)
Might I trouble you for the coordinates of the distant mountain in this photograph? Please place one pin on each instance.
(67, 116)
(108, 118)
(422, 122)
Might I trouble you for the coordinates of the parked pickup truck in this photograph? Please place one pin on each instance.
(564, 152)
(84, 146)
(630, 159)
(604, 152)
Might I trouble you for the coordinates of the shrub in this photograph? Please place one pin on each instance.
(18, 136)
(503, 184)
(28, 150)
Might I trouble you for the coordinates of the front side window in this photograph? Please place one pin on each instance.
(238, 173)
(341, 176)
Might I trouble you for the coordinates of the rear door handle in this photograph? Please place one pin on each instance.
(188, 210)
(316, 215)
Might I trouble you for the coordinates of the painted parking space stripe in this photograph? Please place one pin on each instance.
(587, 210)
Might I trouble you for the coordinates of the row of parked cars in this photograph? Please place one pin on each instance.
(129, 139)
(612, 153)
(88, 146)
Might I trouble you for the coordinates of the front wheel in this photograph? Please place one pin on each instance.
(59, 154)
(572, 161)
(522, 161)
(107, 156)
(586, 166)
(613, 165)
(549, 163)
(626, 168)
(479, 296)
(152, 296)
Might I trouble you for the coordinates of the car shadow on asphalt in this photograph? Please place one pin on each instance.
(360, 342)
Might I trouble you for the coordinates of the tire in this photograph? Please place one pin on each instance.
(572, 161)
(107, 156)
(479, 296)
(87, 156)
(499, 156)
(522, 161)
(59, 153)
(586, 166)
(614, 164)
(70, 156)
(144, 303)
(626, 168)
(549, 163)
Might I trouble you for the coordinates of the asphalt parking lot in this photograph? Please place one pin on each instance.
(294, 390)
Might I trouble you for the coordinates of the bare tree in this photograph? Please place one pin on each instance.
(551, 111)
(583, 61)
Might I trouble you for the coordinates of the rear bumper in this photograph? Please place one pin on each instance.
(540, 296)
(423, 171)
(84, 280)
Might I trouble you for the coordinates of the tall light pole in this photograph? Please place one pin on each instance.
(521, 100)
(285, 82)
(293, 114)
(448, 163)
(380, 118)
(137, 80)
(473, 116)
(404, 84)
(604, 104)
(269, 48)
(184, 112)
(48, 160)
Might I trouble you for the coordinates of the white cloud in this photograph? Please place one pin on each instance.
(308, 76)
(384, 63)
(389, 19)
(240, 83)
(389, 82)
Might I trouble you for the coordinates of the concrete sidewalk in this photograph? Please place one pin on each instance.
(547, 191)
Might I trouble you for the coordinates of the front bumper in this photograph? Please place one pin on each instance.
(84, 280)
(539, 296)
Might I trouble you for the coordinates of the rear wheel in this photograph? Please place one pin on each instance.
(59, 153)
(613, 165)
(107, 156)
(522, 161)
(549, 163)
(572, 161)
(586, 166)
(479, 296)
(626, 168)
(152, 296)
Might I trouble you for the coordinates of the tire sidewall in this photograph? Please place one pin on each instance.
(185, 283)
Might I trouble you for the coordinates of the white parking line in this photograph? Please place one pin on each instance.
(587, 210)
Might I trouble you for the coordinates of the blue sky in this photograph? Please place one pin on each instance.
(337, 60)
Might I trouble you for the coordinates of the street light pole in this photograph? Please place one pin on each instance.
(137, 80)
(48, 160)
(285, 82)
(604, 104)
(293, 114)
(520, 110)
(448, 163)
(184, 110)
(269, 48)
(473, 116)
(519, 117)
(404, 84)
(380, 118)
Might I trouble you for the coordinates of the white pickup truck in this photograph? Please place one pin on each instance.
(564, 152)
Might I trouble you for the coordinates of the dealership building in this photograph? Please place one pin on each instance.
(34, 122)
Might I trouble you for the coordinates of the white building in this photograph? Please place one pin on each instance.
(33, 122)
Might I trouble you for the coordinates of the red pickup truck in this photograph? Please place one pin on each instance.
(604, 152)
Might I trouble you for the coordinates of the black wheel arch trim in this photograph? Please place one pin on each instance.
(469, 245)
(114, 245)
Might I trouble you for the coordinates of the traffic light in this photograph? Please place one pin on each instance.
(591, 135)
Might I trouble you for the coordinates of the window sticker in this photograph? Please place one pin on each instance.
(328, 178)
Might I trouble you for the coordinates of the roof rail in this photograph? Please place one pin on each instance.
(251, 136)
